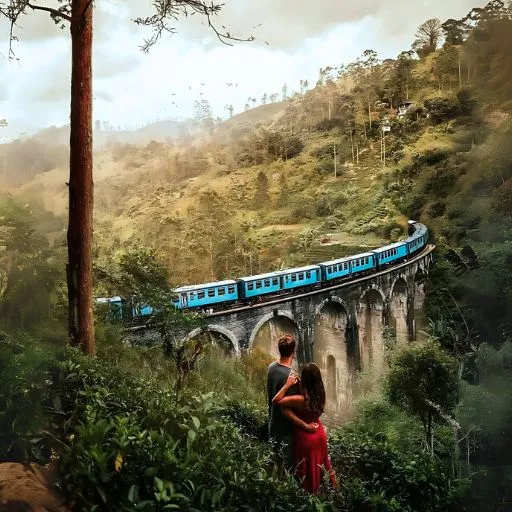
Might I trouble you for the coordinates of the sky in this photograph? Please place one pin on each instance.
(293, 40)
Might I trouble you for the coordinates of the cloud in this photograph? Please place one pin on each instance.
(133, 88)
(285, 24)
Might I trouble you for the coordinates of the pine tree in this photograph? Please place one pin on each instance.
(261, 195)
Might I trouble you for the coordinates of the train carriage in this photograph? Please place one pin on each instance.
(299, 277)
(253, 287)
(391, 253)
(418, 239)
(261, 284)
(115, 307)
(203, 295)
(362, 262)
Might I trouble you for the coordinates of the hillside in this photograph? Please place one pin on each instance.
(259, 192)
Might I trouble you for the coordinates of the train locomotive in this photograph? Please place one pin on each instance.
(210, 297)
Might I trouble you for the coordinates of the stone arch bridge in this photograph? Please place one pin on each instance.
(340, 328)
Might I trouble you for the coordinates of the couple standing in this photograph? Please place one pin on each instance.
(295, 405)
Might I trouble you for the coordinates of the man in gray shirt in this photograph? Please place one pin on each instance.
(280, 428)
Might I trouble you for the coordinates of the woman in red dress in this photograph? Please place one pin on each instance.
(304, 410)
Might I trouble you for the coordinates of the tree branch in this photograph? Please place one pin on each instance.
(15, 8)
(443, 415)
(172, 9)
(53, 12)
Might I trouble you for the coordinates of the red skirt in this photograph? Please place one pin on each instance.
(311, 457)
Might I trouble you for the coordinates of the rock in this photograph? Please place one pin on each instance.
(26, 488)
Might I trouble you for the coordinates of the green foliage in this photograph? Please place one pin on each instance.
(502, 200)
(441, 109)
(485, 412)
(261, 196)
(23, 397)
(31, 274)
(126, 443)
(139, 276)
(422, 377)
(380, 477)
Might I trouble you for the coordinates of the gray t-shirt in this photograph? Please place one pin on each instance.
(280, 428)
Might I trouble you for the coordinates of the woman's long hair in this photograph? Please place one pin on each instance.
(313, 387)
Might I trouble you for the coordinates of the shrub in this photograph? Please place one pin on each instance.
(326, 125)
(380, 477)
(441, 109)
(437, 209)
(126, 443)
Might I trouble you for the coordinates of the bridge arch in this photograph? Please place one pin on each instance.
(370, 313)
(335, 352)
(268, 329)
(420, 320)
(399, 280)
(399, 309)
(214, 328)
(330, 299)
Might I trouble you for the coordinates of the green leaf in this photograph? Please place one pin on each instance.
(159, 484)
(190, 437)
(196, 421)
(132, 492)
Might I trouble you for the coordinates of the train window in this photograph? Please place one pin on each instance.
(267, 283)
(294, 278)
(200, 295)
(275, 281)
(190, 295)
(250, 286)
(221, 291)
(329, 269)
(308, 275)
(231, 289)
(211, 293)
(258, 285)
(301, 276)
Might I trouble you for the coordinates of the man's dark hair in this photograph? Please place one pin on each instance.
(286, 345)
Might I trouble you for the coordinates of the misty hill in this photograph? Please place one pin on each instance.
(158, 131)
(303, 180)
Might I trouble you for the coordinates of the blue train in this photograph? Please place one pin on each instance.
(248, 290)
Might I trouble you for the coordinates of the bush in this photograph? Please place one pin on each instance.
(437, 209)
(380, 477)
(466, 101)
(126, 443)
(441, 109)
(326, 125)
(389, 228)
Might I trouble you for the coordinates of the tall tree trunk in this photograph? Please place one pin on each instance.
(79, 269)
